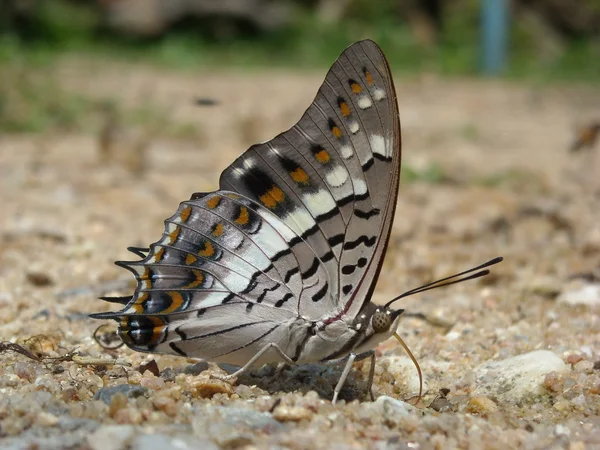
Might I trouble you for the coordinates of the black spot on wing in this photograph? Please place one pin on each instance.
(368, 164)
(366, 214)
(336, 239)
(327, 256)
(311, 270)
(277, 256)
(368, 242)
(345, 200)
(320, 293)
(346, 289)
(382, 157)
(261, 297)
(328, 215)
(290, 273)
(279, 303)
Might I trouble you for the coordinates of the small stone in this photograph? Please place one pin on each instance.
(46, 419)
(164, 442)
(562, 405)
(291, 414)
(588, 295)
(151, 381)
(209, 420)
(561, 430)
(196, 369)
(393, 411)
(168, 374)
(574, 359)
(579, 400)
(132, 416)
(513, 379)
(129, 390)
(206, 388)
(39, 279)
(481, 405)
(554, 382)
(111, 437)
(166, 405)
(117, 403)
(25, 371)
(584, 366)
(150, 366)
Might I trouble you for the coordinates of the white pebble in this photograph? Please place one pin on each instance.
(588, 294)
(513, 379)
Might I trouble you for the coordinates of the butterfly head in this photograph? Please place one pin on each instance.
(383, 319)
(376, 323)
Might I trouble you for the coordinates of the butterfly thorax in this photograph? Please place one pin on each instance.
(335, 339)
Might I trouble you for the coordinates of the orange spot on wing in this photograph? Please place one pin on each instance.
(145, 278)
(272, 197)
(336, 132)
(368, 77)
(190, 259)
(157, 330)
(322, 156)
(356, 89)
(198, 281)
(176, 302)
(173, 235)
(345, 109)
(213, 202)
(185, 214)
(159, 254)
(138, 306)
(218, 230)
(244, 217)
(208, 250)
(299, 176)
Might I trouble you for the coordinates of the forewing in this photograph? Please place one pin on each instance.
(332, 180)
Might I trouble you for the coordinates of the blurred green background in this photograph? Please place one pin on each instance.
(550, 41)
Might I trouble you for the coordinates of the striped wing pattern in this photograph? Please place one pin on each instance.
(297, 230)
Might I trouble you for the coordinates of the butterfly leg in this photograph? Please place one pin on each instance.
(349, 360)
(250, 363)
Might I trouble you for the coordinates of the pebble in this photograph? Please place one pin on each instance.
(39, 279)
(129, 390)
(151, 381)
(46, 419)
(165, 442)
(151, 366)
(481, 405)
(513, 379)
(196, 369)
(111, 437)
(588, 295)
(208, 387)
(291, 414)
(231, 426)
(393, 411)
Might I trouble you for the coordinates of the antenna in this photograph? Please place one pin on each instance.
(450, 280)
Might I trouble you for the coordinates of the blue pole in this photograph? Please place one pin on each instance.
(494, 35)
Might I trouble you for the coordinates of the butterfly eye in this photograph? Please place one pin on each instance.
(381, 321)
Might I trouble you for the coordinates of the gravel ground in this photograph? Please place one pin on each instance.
(510, 361)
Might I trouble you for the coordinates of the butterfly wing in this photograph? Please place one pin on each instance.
(298, 229)
(332, 181)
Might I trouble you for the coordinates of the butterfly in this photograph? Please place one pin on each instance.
(280, 264)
